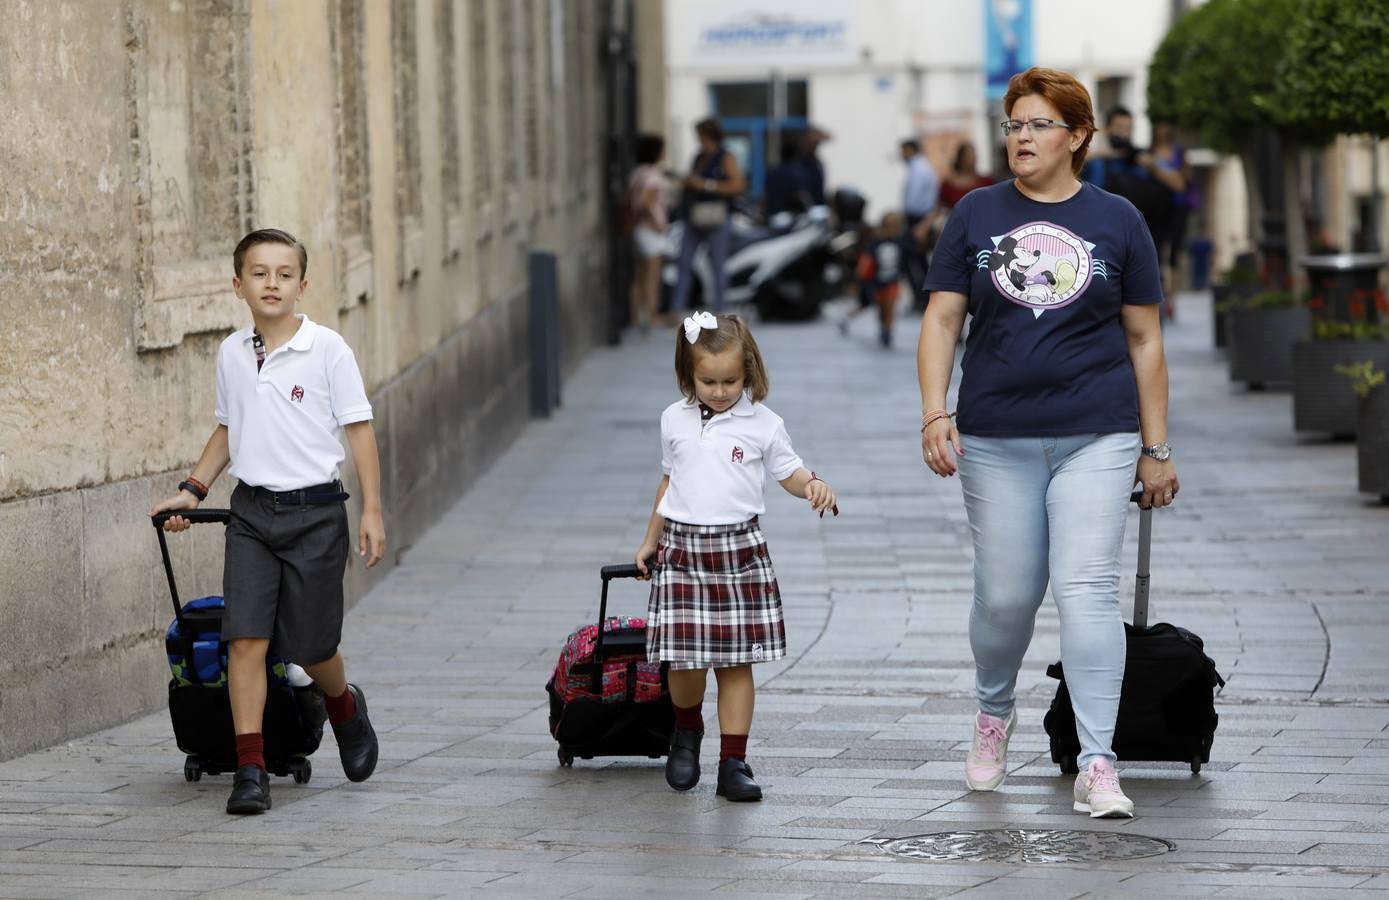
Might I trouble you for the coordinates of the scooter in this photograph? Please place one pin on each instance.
(784, 268)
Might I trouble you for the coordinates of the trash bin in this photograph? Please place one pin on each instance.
(1345, 283)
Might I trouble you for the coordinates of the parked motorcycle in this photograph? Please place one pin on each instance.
(785, 268)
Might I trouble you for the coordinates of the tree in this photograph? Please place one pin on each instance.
(1333, 72)
(1331, 76)
(1206, 73)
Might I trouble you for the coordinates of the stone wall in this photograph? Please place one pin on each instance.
(419, 148)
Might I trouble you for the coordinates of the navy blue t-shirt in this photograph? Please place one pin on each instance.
(1046, 353)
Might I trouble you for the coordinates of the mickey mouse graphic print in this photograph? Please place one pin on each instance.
(1041, 266)
(1046, 352)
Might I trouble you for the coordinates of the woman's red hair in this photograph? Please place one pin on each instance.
(1063, 91)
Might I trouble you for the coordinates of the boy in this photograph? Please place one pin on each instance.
(286, 390)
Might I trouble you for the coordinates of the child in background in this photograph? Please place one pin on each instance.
(714, 599)
(880, 270)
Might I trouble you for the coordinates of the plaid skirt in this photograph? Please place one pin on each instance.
(714, 598)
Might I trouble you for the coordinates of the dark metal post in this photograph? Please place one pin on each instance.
(544, 302)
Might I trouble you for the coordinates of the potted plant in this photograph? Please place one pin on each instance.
(1320, 400)
(1262, 329)
(1240, 281)
(1372, 426)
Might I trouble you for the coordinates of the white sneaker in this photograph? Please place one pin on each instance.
(987, 763)
(1097, 792)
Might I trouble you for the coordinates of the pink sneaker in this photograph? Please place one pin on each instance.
(987, 762)
(1097, 792)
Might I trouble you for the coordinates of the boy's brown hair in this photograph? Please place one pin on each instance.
(732, 330)
(892, 225)
(269, 236)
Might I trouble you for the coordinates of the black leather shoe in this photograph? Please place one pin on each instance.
(735, 781)
(250, 791)
(357, 741)
(682, 766)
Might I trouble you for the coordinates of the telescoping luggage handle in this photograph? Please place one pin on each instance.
(195, 516)
(623, 570)
(1145, 552)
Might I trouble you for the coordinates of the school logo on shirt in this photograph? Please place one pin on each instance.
(297, 395)
(737, 454)
(1041, 266)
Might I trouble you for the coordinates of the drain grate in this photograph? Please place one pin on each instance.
(1024, 845)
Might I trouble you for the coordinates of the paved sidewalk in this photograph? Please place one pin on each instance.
(860, 734)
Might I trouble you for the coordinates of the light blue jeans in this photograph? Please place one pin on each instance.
(1050, 509)
(718, 240)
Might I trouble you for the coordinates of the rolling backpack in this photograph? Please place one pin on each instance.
(606, 699)
(1167, 702)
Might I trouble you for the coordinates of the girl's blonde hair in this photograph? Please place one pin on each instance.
(732, 330)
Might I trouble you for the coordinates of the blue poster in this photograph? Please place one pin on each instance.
(1007, 42)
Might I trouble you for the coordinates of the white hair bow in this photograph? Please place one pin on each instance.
(698, 321)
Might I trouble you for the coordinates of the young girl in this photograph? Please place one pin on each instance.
(714, 598)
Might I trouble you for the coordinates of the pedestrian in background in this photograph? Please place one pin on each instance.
(713, 182)
(714, 598)
(879, 274)
(646, 208)
(1170, 156)
(960, 180)
(1139, 176)
(919, 195)
(287, 389)
(1063, 401)
(788, 187)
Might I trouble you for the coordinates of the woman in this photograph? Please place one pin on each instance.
(961, 179)
(1170, 158)
(1063, 400)
(713, 181)
(646, 198)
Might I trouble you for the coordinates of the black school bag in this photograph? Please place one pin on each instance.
(1167, 702)
(1166, 706)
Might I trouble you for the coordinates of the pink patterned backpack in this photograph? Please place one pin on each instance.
(625, 676)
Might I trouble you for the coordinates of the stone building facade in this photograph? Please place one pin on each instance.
(419, 148)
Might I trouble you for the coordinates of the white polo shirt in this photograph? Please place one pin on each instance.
(718, 468)
(284, 423)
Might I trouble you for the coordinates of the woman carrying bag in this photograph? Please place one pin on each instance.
(714, 180)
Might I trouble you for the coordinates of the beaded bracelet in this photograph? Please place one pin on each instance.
(933, 415)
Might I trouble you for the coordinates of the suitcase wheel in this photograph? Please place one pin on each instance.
(1196, 764)
(302, 770)
(1069, 766)
(192, 769)
(566, 759)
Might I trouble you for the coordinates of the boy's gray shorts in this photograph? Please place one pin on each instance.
(283, 574)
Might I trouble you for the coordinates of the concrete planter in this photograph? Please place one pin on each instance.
(1372, 443)
(1220, 295)
(1323, 399)
(1261, 344)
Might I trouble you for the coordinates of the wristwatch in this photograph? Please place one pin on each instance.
(1161, 451)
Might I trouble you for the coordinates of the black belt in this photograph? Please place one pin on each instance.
(315, 495)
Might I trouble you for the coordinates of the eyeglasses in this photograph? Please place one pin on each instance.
(1038, 126)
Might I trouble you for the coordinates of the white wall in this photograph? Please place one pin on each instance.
(930, 54)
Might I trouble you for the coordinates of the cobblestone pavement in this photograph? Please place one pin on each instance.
(861, 732)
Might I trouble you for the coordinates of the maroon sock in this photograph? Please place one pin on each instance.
(250, 750)
(341, 708)
(690, 718)
(733, 746)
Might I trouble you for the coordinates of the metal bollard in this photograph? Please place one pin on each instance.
(544, 307)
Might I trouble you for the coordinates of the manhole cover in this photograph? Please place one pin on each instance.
(1024, 845)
